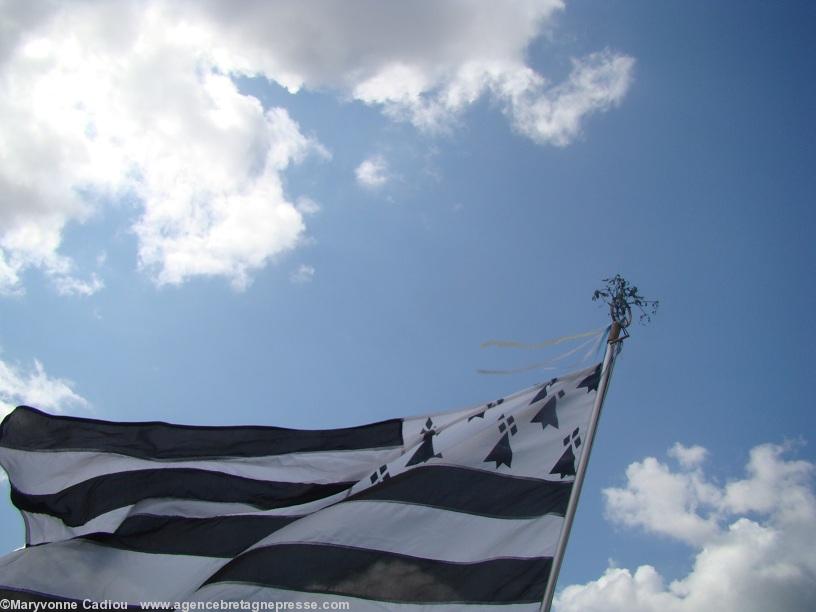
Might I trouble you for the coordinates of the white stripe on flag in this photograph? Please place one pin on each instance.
(435, 534)
(42, 472)
(78, 569)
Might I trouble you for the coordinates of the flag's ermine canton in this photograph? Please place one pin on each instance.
(446, 510)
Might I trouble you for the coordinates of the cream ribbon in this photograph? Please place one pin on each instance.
(594, 342)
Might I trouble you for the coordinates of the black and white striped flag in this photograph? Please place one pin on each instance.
(449, 510)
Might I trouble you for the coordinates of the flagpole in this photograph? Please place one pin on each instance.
(572, 505)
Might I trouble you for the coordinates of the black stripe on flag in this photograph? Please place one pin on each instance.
(473, 491)
(370, 574)
(221, 536)
(30, 429)
(86, 500)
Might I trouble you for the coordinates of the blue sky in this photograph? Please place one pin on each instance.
(290, 216)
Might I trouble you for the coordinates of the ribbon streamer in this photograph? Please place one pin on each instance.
(594, 343)
(538, 345)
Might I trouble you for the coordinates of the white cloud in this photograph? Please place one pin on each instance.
(665, 502)
(554, 115)
(307, 206)
(304, 274)
(372, 172)
(752, 536)
(32, 386)
(146, 112)
(688, 456)
(104, 99)
(225, 219)
(544, 112)
(68, 285)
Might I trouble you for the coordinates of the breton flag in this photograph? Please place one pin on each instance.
(443, 511)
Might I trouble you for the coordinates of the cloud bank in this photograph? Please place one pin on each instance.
(137, 99)
(752, 537)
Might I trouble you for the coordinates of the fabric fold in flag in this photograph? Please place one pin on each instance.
(443, 511)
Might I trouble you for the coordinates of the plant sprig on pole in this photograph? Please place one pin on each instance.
(620, 296)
